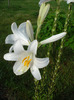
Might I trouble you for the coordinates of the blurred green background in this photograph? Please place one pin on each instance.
(14, 87)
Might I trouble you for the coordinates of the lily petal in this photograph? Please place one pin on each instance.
(69, 1)
(24, 42)
(33, 47)
(14, 28)
(11, 57)
(22, 29)
(41, 62)
(10, 39)
(19, 68)
(53, 38)
(11, 49)
(19, 34)
(29, 30)
(35, 72)
(42, 1)
(18, 48)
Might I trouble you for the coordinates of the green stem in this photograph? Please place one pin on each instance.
(38, 30)
(62, 40)
(36, 89)
(56, 17)
(51, 89)
(55, 23)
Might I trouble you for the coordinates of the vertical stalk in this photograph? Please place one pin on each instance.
(62, 41)
(51, 89)
(54, 24)
(36, 89)
(38, 30)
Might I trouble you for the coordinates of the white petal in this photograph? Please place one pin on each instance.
(69, 1)
(20, 33)
(11, 49)
(33, 47)
(19, 68)
(41, 62)
(18, 48)
(35, 72)
(10, 39)
(23, 39)
(24, 42)
(11, 57)
(14, 28)
(22, 29)
(42, 1)
(53, 38)
(29, 30)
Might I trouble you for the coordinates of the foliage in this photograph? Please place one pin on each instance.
(47, 28)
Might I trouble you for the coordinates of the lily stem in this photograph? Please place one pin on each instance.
(54, 24)
(50, 46)
(51, 89)
(36, 89)
(38, 30)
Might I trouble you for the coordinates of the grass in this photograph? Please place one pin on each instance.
(22, 87)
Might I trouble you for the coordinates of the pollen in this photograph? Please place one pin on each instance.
(26, 61)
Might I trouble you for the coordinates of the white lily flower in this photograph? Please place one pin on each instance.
(53, 38)
(69, 1)
(42, 1)
(19, 34)
(26, 59)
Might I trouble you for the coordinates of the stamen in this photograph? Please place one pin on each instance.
(28, 62)
(25, 63)
(24, 59)
(28, 57)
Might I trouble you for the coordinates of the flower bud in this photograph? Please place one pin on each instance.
(42, 13)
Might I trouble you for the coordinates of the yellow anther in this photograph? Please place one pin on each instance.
(28, 57)
(25, 63)
(28, 62)
(24, 59)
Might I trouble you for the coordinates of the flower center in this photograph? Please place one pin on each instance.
(26, 61)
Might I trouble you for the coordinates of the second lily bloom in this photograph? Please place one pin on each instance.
(25, 34)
